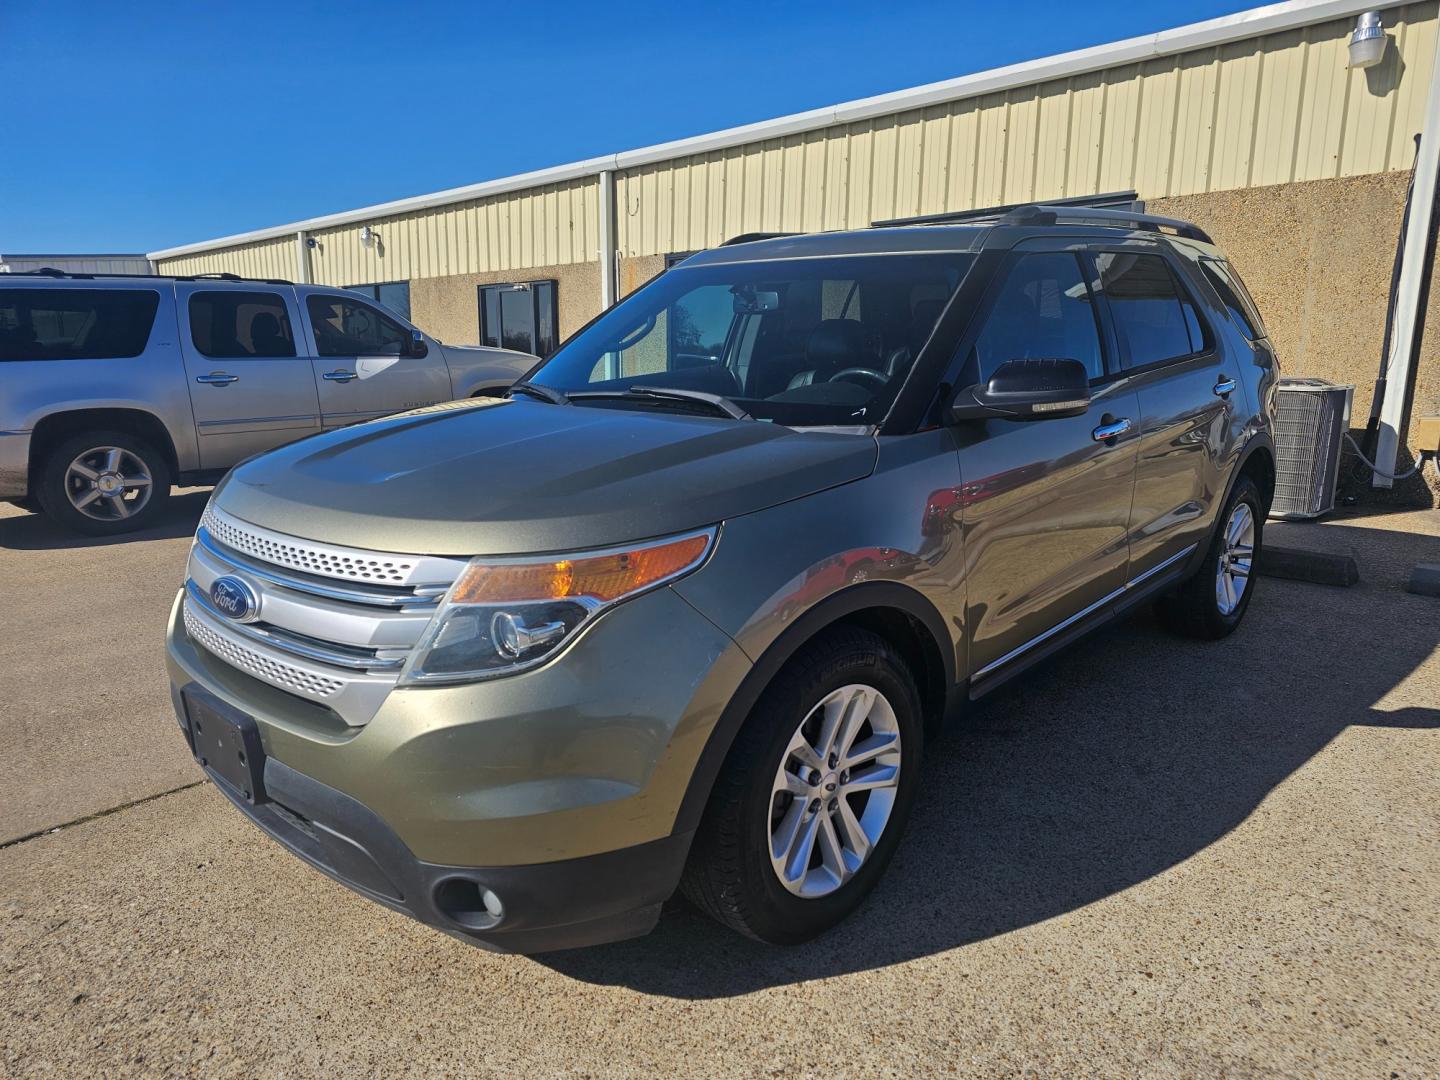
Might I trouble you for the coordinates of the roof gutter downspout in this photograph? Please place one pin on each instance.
(1410, 293)
(608, 260)
(302, 258)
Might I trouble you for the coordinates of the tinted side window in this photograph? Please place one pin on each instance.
(1044, 311)
(1154, 318)
(75, 324)
(349, 328)
(1234, 296)
(232, 324)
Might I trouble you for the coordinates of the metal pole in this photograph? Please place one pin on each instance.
(302, 258)
(1409, 319)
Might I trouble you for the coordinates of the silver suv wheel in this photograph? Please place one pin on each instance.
(108, 483)
(1232, 571)
(834, 790)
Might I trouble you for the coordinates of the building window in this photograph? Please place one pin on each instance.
(519, 315)
(394, 295)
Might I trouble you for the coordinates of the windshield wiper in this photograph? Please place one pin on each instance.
(718, 402)
(544, 393)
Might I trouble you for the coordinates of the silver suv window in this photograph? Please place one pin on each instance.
(231, 324)
(75, 324)
(346, 327)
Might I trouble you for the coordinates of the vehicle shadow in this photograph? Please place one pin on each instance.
(1114, 762)
(21, 531)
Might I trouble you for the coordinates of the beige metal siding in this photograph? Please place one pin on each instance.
(264, 259)
(76, 264)
(1271, 110)
(544, 226)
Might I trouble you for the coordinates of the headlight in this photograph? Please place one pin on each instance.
(505, 615)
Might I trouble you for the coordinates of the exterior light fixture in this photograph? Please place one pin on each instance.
(1368, 41)
(367, 237)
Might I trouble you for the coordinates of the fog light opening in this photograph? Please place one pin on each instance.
(469, 903)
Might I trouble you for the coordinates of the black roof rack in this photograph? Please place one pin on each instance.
(1116, 208)
(1127, 199)
(50, 271)
(1049, 214)
(751, 237)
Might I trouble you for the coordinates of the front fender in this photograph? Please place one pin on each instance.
(475, 370)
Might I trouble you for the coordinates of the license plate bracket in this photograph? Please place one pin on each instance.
(226, 742)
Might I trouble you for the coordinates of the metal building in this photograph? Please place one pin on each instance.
(76, 264)
(1255, 125)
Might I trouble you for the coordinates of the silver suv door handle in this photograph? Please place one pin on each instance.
(218, 379)
(339, 376)
(1223, 387)
(1112, 430)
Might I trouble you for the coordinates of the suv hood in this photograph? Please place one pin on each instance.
(515, 477)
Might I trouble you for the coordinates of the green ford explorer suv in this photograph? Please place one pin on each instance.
(682, 612)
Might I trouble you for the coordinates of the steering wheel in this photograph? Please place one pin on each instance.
(858, 374)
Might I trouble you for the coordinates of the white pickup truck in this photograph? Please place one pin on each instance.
(113, 388)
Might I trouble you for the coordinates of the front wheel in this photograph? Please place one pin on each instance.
(1211, 603)
(811, 801)
(103, 483)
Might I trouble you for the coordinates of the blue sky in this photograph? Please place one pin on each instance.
(139, 125)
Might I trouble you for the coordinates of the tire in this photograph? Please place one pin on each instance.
(1198, 606)
(730, 874)
(62, 493)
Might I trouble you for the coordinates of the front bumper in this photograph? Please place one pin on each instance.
(557, 789)
(14, 464)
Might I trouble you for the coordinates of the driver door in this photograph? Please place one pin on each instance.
(1045, 502)
(362, 365)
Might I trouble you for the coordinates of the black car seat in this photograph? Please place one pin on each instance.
(265, 336)
(834, 345)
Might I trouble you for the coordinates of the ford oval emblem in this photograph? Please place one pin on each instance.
(234, 598)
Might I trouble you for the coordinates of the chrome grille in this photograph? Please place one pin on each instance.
(326, 560)
(285, 676)
(335, 624)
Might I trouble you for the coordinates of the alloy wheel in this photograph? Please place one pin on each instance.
(834, 791)
(1232, 574)
(108, 483)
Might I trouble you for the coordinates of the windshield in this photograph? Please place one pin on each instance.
(803, 342)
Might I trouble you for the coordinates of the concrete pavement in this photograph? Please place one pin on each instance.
(1151, 857)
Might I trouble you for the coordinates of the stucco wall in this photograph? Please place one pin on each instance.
(1317, 257)
(635, 272)
(449, 307)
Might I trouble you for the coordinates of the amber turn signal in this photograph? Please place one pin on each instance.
(605, 578)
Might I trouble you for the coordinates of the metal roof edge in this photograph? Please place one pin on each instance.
(1254, 22)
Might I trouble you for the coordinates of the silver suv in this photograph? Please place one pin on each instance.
(117, 387)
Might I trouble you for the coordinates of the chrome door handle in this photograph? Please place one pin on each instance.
(217, 379)
(1112, 430)
(339, 376)
(1223, 387)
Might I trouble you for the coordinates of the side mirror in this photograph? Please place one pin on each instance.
(1027, 390)
(416, 347)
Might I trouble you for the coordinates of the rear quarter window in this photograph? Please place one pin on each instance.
(75, 324)
(1234, 296)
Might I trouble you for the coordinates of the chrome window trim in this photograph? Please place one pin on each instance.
(1073, 619)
